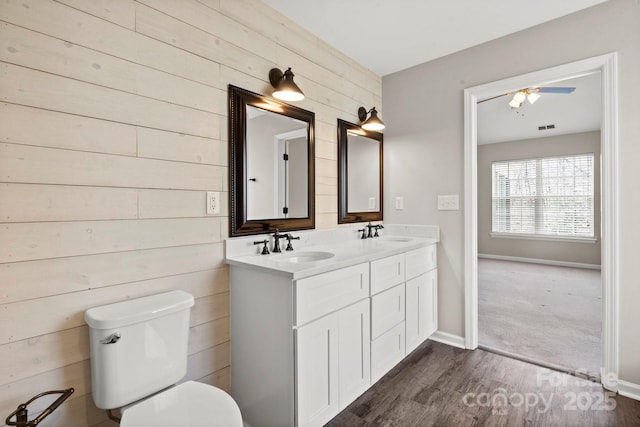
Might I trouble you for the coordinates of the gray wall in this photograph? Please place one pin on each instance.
(424, 139)
(579, 143)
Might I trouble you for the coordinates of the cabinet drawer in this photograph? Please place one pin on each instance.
(420, 261)
(386, 273)
(387, 351)
(387, 310)
(318, 295)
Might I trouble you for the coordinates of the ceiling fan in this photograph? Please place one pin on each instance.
(530, 94)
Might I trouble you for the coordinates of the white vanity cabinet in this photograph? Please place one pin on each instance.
(302, 349)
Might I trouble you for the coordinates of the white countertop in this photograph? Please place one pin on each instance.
(346, 253)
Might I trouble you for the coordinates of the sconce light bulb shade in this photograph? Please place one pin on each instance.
(373, 123)
(285, 87)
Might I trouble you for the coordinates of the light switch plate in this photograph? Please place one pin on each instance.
(399, 203)
(449, 202)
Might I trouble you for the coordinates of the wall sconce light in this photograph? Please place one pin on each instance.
(285, 87)
(373, 123)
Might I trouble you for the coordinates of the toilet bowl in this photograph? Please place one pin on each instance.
(190, 404)
(138, 352)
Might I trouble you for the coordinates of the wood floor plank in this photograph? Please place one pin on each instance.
(439, 385)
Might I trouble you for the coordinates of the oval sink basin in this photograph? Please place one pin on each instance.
(396, 239)
(309, 256)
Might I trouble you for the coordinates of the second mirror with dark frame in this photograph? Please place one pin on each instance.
(360, 196)
(271, 165)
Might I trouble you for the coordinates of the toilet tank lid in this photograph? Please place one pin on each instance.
(137, 310)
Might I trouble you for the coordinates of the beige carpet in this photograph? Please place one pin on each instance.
(543, 313)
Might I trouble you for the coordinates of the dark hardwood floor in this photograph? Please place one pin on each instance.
(440, 385)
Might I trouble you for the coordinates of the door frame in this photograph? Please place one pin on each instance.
(606, 65)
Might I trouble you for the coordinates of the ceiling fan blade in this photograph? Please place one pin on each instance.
(493, 97)
(555, 89)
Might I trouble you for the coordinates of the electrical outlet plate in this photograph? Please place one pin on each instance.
(213, 202)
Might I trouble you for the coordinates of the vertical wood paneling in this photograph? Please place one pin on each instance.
(112, 128)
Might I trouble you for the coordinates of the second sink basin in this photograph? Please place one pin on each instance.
(306, 256)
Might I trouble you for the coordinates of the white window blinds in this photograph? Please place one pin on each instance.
(550, 196)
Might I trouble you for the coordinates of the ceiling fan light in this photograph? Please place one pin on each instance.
(514, 104)
(533, 97)
(519, 97)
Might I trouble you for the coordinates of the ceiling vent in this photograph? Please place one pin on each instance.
(546, 127)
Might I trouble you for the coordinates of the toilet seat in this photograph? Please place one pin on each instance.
(190, 404)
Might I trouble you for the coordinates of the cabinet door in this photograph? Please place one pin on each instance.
(317, 371)
(355, 352)
(414, 292)
(430, 311)
(421, 309)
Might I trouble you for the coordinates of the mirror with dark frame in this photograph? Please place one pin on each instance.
(359, 174)
(271, 165)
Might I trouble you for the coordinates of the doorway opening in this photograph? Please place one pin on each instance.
(539, 287)
(606, 66)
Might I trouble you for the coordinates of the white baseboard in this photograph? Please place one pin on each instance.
(628, 389)
(541, 261)
(449, 339)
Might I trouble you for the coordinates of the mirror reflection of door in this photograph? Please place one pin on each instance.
(363, 166)
(291, 165)
(277, 161)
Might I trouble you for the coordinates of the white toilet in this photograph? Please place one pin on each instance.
(138, 351)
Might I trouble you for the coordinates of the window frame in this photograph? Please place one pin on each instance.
(539, 180)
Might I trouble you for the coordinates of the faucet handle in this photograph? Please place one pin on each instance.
(265, 249)
(289, 239)
(364, 233)
(377, 227)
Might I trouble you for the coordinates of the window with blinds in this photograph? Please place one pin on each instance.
(550, 196)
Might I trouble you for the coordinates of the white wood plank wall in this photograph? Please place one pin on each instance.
(113, 125)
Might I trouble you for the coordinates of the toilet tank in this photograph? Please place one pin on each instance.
(150, 353)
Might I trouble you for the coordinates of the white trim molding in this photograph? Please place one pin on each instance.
(606, 65)
(447, 338)
(541, 261)
(544, 237)
(628, 389)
